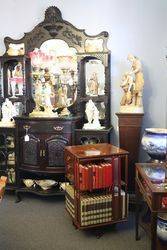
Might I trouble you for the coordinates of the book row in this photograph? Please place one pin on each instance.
(95, 176)
(93, 208)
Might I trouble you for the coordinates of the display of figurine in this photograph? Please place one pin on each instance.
(92, 114)
(132, 85)
(42, 98)
(8, 112)
(93, 84)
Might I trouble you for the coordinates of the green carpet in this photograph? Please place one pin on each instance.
(43, 224)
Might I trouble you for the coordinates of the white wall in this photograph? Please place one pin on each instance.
(135, 26)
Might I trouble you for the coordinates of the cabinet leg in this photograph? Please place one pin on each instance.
(137, 214)
(99, 233)
(153, 230)
(76, 228)
(17, 196)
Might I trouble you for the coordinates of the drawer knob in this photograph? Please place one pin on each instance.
(26, 127)
(58, 128)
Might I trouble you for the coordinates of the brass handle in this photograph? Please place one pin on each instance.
(58, 128)
(41, 153)
(26, 127)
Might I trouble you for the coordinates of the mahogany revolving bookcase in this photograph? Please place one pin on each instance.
(97, 191)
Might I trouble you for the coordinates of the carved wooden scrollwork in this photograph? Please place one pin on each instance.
(55, 150)
(73, 37)
(53, 14)
(54, 26)
(33, 38)
(30, 150)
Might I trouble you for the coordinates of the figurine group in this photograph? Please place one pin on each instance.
(53, 92)
(132, 85)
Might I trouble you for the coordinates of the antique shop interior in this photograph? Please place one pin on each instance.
(83, 125)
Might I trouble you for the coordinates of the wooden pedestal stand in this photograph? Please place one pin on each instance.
(129, 139)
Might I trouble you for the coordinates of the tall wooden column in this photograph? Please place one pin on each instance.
(129, 139)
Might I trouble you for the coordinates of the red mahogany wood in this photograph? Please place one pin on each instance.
(129, 139)
(96, 153)
(154, 194)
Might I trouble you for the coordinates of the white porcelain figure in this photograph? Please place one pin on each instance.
(92, 114)
(42, 98)
(132, 85)
(13, 87)
(47, 92)
(8, 112)
(18, 78)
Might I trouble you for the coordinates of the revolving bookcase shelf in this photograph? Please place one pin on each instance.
(97, 190)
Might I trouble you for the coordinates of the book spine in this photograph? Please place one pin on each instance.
(97, 176)
(100, 177)
(94, 176)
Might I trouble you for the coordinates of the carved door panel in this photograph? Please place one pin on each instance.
(55, 150)
(30, 151)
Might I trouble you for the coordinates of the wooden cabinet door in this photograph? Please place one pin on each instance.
(55, 150)
(30, 151)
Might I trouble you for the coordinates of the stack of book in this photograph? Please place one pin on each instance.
(95, 176)
(69, 200)
(94, 209)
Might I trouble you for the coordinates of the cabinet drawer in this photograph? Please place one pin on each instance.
(46, 127)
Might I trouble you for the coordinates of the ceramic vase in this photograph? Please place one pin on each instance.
(162, 227)
(154, 142)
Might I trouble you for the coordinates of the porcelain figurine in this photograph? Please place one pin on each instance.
(43, 94)
(18, 78)
(132, 84)
(92, 114)
(13, 87)
(8, 112)
(93, 84)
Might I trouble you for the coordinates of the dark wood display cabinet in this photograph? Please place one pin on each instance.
(50, 75)
(41, 155)
(7, 156)
(15, 82)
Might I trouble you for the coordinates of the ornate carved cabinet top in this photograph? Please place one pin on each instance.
(54, 26)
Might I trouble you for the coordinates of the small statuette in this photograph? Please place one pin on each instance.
(92, 114)
(8, 112)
